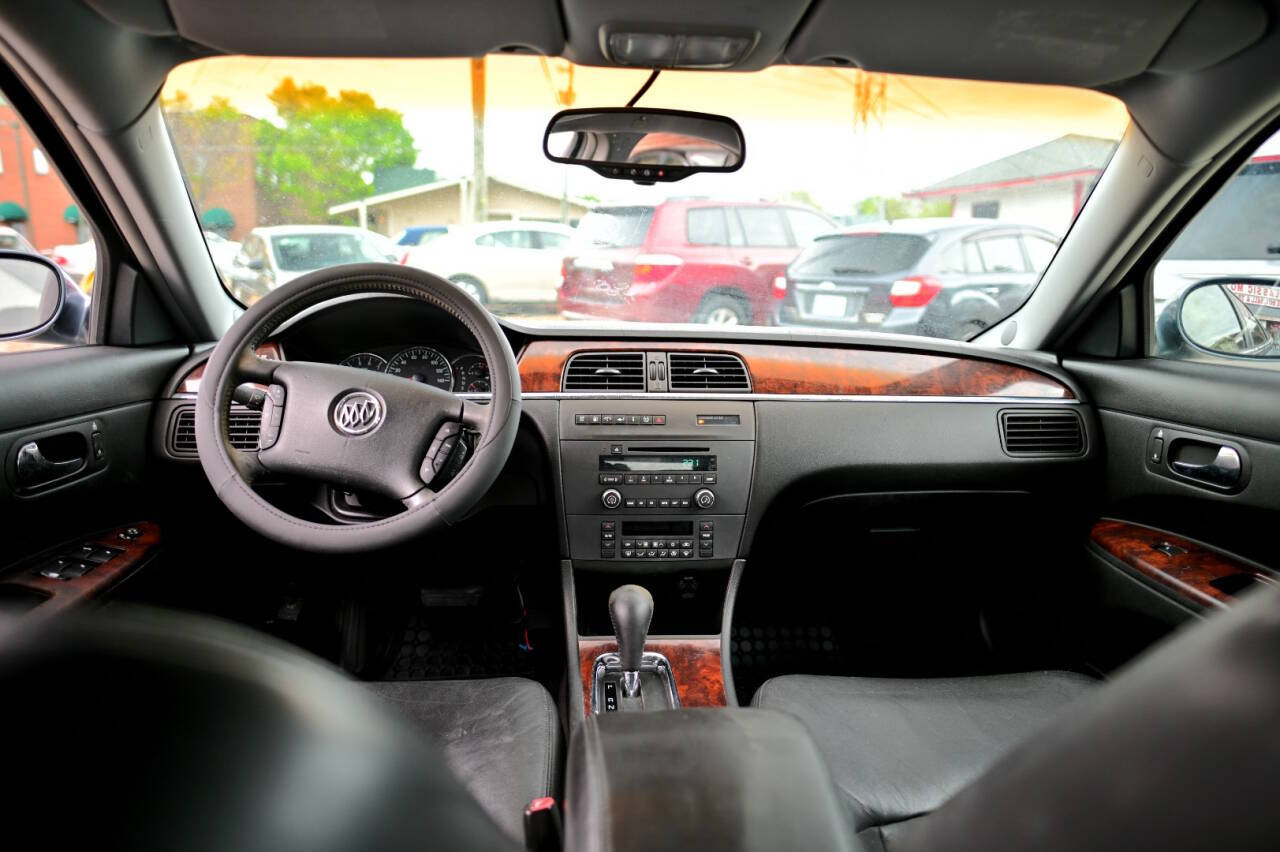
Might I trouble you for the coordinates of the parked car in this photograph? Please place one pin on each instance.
(417, 235)
(681, 260)
(272, 256)
(223, 251)
(76, 259)
(498, 261)
(937, 277)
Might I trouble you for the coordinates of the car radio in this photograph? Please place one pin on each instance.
(671, 490)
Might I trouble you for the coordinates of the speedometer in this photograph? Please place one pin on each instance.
(422, 364)
(366, 361)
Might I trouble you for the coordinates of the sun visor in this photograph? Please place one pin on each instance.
(386, 28)
(1079, 43)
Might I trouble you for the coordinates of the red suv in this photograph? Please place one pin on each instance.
(685, 260)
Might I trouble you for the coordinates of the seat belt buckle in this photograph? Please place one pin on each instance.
(543, 830)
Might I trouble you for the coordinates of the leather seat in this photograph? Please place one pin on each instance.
(501, 738)
(899, 748)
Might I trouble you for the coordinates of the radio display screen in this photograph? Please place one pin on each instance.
(658, 463)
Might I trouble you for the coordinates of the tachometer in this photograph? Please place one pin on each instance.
(423, 364)
(471, 374)
(366, 361)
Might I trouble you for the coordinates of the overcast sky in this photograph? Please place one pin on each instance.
(799, 121)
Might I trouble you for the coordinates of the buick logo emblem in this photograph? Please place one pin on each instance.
(358, 413)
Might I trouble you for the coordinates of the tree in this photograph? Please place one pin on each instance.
(893, 209)
(217, 144)
(324, 150)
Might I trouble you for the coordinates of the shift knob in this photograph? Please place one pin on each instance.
(630, 610)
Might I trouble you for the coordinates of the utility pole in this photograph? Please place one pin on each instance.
(480, 186)
(22, 175)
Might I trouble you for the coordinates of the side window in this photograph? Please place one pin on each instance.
(986, 209)
(39, 216)
(951, 259)
(506, 239)
(1002, 254)
(763, 227)
(805, 226)
(706, 226)
(551, 240)
(1215, 291)
(1039, 251)
(972, 260)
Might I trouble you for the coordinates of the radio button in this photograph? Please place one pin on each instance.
(705, 498)
(709, 479)
(611, 498)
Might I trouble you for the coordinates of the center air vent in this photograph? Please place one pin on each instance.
(1041, 432)
(701, 371)
(605, 371)
(242, 425)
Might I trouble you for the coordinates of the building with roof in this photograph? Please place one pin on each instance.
(449, 202)
(1044, 185)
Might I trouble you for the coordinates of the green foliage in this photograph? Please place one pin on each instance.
(324, 150)
(216, 143)
(892, 209)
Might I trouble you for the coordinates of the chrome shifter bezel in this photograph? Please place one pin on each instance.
(651, 661)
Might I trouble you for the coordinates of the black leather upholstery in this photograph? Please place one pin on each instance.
(700, 779)
(899, 748)
(1179, 752)
(501, 737)
(155, 731)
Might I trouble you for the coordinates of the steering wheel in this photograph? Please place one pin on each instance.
(355, 428)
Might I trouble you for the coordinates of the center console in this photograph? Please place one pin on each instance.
(655, 493)
(663, 483)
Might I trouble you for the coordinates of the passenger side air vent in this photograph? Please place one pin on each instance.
(242, 426)
(702, 371)
(1042, 432)
(605, 371)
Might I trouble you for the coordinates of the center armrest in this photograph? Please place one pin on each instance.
(732, 778)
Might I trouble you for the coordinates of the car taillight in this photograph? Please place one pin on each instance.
(58, 259)
(780, 287)
(914, 291)
(404, 259)
(564, 272)
(648, 268)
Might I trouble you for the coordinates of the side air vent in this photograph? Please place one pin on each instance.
(242, 426)
(1042, 432)
(700, 371)
(605, 371)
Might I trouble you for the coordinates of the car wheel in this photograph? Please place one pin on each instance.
(723, 310)
(471, 287)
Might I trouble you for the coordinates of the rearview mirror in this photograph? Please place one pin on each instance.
(31, 294)
(645, 145)
(1227, 316)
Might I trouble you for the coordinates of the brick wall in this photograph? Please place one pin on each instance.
(43, 196)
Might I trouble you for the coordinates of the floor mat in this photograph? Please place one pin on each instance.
(758, 653)
(442, 647)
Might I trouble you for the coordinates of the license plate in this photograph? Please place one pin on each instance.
(826, 305)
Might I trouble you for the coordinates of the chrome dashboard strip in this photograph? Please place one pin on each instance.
(764, 397)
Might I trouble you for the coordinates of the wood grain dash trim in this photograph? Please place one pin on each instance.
(821, 371)
(695, 662)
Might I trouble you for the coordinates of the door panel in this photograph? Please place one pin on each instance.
(87, 412)
(1182, 548)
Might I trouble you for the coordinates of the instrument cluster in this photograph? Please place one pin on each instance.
(456, 371)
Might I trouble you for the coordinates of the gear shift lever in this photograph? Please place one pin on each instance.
(630, 610)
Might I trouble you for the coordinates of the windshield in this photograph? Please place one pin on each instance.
(866, 201)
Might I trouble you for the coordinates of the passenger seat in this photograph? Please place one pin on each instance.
(899, 748)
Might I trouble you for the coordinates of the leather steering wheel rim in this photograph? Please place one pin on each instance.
(309, 430)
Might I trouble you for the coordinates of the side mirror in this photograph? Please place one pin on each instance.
(645, 145)
(32, 293)
(1232, 316)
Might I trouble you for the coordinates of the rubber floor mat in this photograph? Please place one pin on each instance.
(435, 649)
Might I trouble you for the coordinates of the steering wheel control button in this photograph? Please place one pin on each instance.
(358, 413)
(272, 416)
(611, 498)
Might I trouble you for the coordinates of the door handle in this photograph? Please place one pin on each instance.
(33, 468)
(1223, 470)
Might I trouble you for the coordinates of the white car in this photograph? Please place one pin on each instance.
(276, 255)
(76, 259)
(498, 261)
